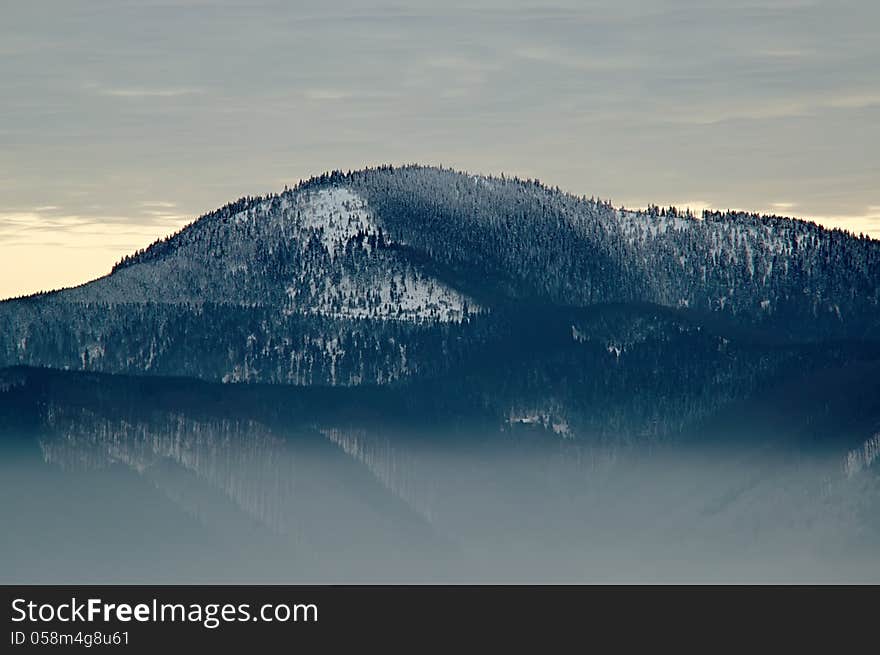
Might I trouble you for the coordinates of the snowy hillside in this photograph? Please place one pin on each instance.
(313, 252)
(344, 224)
(388, 274)
(521, 240)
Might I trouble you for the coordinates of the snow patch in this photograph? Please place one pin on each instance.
(578, 336)
(638, 226)
(557, 425)
(337, 215)
(862, 458)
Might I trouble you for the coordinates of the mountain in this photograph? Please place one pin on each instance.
(388, 275)
(420, 243)
(454, 378)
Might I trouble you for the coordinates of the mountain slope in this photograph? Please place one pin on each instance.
(532, 241)
(318, 251)
(388, 274)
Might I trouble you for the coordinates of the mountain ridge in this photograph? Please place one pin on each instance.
(337, 176)
(391, 274)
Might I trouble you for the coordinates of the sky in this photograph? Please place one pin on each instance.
(123, 120)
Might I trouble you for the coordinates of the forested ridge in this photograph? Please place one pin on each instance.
(391, 275)
(510, 238)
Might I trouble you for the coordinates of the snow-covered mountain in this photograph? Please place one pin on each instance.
(397, 273)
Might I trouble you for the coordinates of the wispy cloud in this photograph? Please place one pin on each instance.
(753, 111)
(327, 94)
(332, 94)
(867, 222)
(783, 53)
(553, 55)
(46, 250)
(855, 100)
(120, 91)
(45, 227)
(165, 204)
(778, 108)
(134, 92)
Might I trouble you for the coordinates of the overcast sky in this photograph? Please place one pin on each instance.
(121, 120)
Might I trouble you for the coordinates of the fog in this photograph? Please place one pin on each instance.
(140, 492)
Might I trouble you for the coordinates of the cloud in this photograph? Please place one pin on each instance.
(76, 247)
(35, 228)
(164, 204)
(754, 111)
(784, 53)
(165, 215)
(149, 93)
(780, 107)
(141, 91)
(855, 101)
(582, 62)
(867, 223)
(327, 94)
(459, 63)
